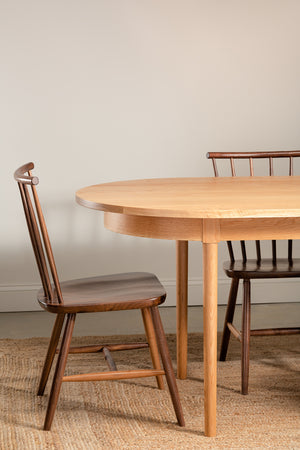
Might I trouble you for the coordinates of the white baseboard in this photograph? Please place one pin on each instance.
(23, 297)
(262, 291)
(19, 297)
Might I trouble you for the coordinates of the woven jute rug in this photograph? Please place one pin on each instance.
(134, 414)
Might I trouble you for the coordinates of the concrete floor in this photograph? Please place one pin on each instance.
(20, 325)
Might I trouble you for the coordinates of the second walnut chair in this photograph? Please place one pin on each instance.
(249, 269)
(116, 292)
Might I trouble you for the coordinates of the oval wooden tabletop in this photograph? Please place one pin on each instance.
(197, 197)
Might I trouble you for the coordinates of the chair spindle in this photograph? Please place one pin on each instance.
(291, 167)
(251, 167)
(290, 252)
(243, 248)
(274, 252)
(271, 166)
(36, 241)
(232, 167)
(215, 167)
(258, 252)
(47, 244)
(230, 250)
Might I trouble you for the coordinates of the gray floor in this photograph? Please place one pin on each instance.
(20, 325)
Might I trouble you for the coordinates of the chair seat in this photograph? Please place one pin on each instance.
(265, 269)
(107, 293)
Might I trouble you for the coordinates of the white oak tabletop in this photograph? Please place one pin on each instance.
(229, 197)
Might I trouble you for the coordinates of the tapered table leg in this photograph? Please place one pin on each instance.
(181, 307)
(210, 286)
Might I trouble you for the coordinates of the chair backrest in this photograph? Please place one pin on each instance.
(250, 156)
(38, 232)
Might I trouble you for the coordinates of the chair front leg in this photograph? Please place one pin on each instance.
(51, 352)
(167, 364)
(151, 338)
(59, 371)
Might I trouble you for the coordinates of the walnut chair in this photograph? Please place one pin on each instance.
(98, 294)
(247, 269)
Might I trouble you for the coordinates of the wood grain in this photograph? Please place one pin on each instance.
(182, 307)
(210, 295)
(114, 375)
(210, 198)
(154, 227)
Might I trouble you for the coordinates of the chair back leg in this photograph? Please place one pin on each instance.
(59, 371)
(229, 317)
(51, 352)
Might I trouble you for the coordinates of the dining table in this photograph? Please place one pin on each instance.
(205, 209)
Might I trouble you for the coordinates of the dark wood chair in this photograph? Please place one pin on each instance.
(247, 269)
(98, 294)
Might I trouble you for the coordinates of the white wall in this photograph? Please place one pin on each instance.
(95, 90)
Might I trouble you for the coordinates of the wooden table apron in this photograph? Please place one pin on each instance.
(279, 224)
